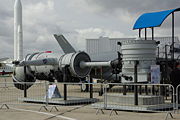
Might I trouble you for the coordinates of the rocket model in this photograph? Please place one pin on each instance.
(18, 33)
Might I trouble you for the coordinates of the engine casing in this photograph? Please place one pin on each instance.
(40, 66)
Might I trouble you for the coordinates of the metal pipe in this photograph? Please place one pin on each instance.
(54, 61)
(94, 64)
(173, 40)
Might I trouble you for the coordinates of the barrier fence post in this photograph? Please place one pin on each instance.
(153, 90)
(124, 90)
(105, 95)
(140, 89)
(174, 103)
(103, 87)
(47, 96)
(146, 89)
(177, 97)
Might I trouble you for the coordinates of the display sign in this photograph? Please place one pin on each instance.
(155, 74)
(53, 92)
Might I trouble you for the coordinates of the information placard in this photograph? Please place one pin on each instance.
(155, 74)
(53, 92)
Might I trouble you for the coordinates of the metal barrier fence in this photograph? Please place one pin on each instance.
(45, 94)
(140, 97)
(114, 96)
(177, 99)
(10, 95)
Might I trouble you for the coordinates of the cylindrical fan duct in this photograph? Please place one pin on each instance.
(74, 60)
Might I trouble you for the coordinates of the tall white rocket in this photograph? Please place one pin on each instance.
(18, 33)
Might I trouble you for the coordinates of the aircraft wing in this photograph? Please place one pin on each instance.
(64, 44)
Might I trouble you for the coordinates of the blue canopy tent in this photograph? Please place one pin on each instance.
(155, 19)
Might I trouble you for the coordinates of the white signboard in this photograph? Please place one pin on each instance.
(155, 74)
(53, 92)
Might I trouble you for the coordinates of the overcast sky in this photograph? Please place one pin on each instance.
(77, 20)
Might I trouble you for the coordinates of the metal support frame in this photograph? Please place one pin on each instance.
(173, 40)
(124, 90)
(152, 33)
(47, 95)
(158, 52)
(46, 83)
(166, 64)
(54, 108)
(146, 89)
(168, 113)
(45, 107)
(140, 89)
(65, 72)
(65, 91)
(99, 109)
(25, 77)
(153, 90)
(5, 106)
(91, 87)
(139, 33)
(112, 112)
(101, 69)
(135, 81)
(105, 95)
(177, 91)
(145, 33)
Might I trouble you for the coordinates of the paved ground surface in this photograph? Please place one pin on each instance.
(75, 113)
(25, 111)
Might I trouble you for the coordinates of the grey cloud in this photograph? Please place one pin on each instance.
(40, 25)
(5, 30)
(6, 14)
(31, 32)
(6, 46)
(134, 6)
